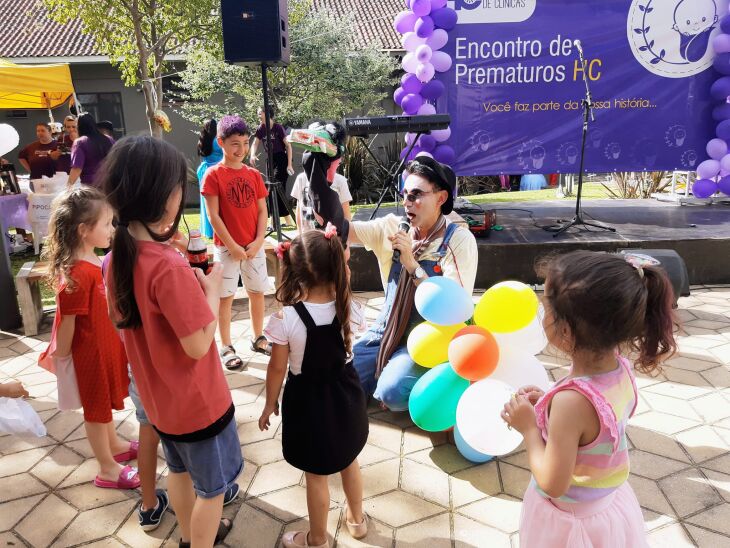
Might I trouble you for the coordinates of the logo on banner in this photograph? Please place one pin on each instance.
(673, 38)
(493, 11)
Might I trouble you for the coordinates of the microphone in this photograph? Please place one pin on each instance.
(579, 47)
(403, 226)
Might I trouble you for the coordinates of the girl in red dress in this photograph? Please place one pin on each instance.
(83, 335)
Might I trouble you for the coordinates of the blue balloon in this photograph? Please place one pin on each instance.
(723, 130)
(433, 90)
(720, 89)
(467, 451)
(443, 301)
(722, 63)
(721, 112)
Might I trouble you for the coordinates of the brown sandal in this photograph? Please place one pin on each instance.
(256, 345)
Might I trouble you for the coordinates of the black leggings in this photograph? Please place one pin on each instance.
(280, 175)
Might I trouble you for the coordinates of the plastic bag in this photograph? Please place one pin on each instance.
(68, 388)
(18, 417)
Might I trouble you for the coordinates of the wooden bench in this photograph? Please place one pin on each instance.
(28, 283)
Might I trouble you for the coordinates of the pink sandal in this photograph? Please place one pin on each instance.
(128, 455)
(128, 479)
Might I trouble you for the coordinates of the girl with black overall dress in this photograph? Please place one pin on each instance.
(324, 415)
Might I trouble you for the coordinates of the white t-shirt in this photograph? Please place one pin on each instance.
(286, 327)
(459, 263)
(339, 185)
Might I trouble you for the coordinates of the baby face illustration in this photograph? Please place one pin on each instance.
(694, 20)
(692, 17)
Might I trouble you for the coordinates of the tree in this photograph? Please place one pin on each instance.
(139, 35)
(327, 77)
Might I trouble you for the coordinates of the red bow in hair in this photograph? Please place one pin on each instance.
(330, 230)
(281, 248)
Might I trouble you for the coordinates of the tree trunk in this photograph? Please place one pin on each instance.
(149, 99)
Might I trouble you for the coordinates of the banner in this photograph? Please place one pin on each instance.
(515, 88)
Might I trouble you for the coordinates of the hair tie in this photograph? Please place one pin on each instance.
(281, 248)
(639, 261)
(330, 231)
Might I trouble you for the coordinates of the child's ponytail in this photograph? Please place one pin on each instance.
(342, 290)
(124, 251)
(657, 343)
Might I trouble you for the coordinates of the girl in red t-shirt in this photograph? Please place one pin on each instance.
(83, 337)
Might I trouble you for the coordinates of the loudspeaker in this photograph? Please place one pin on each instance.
(255, 32)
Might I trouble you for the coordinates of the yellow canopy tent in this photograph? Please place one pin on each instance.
(34, 86)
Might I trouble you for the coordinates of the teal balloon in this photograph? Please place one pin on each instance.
(434, 398)
(443, 301)
(467, 451)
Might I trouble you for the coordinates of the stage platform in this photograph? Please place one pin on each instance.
(700, 234)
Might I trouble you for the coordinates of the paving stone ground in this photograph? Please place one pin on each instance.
(418, 490)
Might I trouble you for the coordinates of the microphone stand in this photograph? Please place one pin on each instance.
(578, 219)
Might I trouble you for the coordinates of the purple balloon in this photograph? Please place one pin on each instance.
(444, 18)
(720, 43)
(427, 142)
(423, 53)
(433, 90)
(398, 95)
(723, 130)
(441, 135)
(411, 103)
(416, 150)
(441, 61)
(444, 154)
(437, 4)
(724, 186)
(421, 7)
(704, 188)
(426, 109)
(720, 90)
(410, 137)
(725, 24)
(708, 169)
(721, 63)
(721, 112)
(725, 163)
(424, 27)
(716, 149)
(410, 83)
(425, 72)
(405, 21)
(438, 39)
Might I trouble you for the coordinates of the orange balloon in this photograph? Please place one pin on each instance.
(473, 353)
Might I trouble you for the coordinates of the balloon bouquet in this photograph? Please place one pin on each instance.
(713, 175)
(424, 28)
(474, 369)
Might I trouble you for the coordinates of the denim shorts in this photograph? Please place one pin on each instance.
(138, 407)
(213, 464)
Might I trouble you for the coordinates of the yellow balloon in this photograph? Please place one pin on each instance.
(506, 307)
(428, 343)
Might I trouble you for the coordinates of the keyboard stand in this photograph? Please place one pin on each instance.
(391, 177)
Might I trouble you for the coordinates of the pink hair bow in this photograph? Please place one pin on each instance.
(330, 230)
(281, 248)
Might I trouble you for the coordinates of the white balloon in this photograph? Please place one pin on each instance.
(441, 61)
(438, 39)
(441, 135)
(424, 71)
(423, 53)
(528, 340)
(424, 153)
(9, 138)
(519, 369)
(410, 63)
(411, 41)
(479, 421)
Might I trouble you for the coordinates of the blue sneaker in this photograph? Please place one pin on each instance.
(231, 494)
(150, 519)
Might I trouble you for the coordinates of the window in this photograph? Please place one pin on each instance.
(105, 106)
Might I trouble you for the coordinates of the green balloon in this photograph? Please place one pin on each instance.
(434, 398)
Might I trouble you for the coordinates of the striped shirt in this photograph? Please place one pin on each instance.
(602, 466)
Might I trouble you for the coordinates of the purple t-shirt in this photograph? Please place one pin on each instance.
(277, 137)
(86, 156)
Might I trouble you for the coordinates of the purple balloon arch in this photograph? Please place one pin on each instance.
(713, 175)
(424, 27)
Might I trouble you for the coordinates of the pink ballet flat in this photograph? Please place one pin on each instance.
(128, 455)
(357, 530)
(288, 541)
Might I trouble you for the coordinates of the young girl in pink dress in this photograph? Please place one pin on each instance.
(596, 304)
